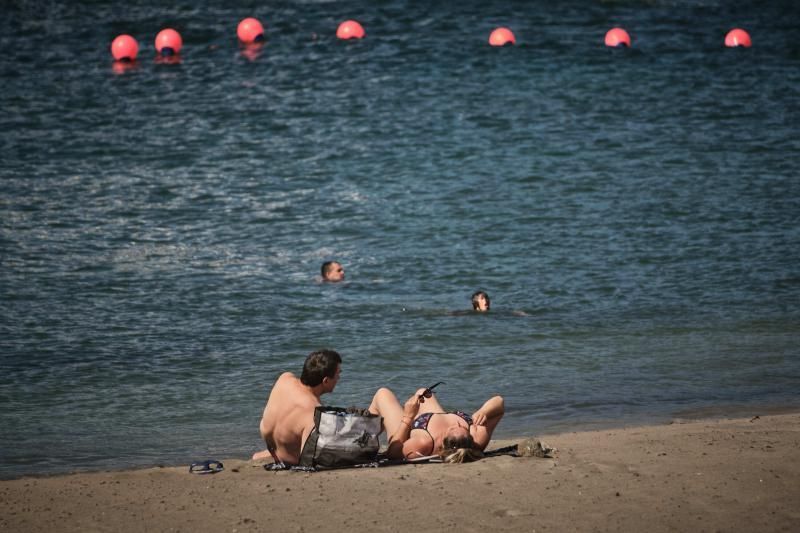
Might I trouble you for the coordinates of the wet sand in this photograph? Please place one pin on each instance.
(711, 475)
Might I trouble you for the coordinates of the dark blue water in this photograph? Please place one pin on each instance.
(634, 215)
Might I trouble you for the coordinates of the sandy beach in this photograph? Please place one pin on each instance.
(711, 475)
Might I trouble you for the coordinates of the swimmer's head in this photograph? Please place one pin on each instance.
(332, 271)
(480, 302)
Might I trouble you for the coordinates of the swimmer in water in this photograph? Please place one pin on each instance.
(480, 302)
(332, 271)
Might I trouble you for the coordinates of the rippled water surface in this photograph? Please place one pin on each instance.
(634, 215)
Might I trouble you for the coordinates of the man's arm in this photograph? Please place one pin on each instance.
(304, 437)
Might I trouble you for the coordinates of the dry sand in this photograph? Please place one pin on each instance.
(715, 475)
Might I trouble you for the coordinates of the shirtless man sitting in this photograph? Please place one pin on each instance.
(289, 414)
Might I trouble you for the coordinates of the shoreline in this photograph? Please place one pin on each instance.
(715, 412)
(710, 474)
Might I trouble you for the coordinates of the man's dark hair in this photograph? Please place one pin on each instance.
(318, 365)
(325, 267)
(475, 299)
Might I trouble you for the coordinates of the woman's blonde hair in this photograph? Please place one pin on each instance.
(459, 449)
(460, 455)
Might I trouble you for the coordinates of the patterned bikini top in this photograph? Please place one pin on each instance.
(421, 422)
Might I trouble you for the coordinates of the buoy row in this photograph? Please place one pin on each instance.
(737, 37)
(616, 37)
(168, 43)
(250, 31)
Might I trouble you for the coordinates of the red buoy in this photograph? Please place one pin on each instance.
(124, 48)
(617, 37)
(168, 42)
(501, 37)
(738, 37)
(250, 31)
(350, 29)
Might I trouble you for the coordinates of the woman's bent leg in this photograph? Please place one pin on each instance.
(385, 404)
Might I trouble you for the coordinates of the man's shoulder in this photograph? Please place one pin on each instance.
(287, 378)
(289, 387)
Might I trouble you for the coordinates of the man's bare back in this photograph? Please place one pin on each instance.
(288, 417)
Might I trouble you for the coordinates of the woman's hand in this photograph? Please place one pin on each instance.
(479, 418)
(489, 411)
(411, 408)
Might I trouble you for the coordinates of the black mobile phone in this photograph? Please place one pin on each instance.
(429, 390)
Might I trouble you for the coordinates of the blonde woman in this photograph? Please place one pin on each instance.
(422, 427)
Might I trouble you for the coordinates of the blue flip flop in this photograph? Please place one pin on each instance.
(211, 466)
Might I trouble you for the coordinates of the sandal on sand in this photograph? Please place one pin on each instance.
(211, 466)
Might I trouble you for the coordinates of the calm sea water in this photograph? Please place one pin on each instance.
(634, 215)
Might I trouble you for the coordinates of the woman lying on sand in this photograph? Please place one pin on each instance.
(422, 427)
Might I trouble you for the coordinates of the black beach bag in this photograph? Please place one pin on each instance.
(341, 438)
